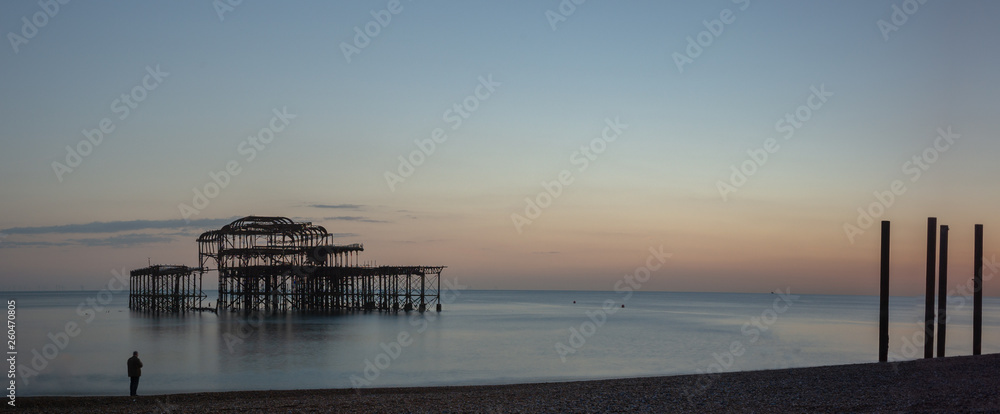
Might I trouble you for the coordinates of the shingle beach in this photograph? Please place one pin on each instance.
(954, 384)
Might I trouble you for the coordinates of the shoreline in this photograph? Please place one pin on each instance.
(963, 383)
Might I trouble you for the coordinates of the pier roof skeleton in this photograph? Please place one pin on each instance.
(271, 241)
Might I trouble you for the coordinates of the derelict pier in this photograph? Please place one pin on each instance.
(165, 288)
(276, 264)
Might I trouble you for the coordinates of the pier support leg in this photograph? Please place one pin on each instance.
(929, 297)
(977, 301)
(942, 291)
(883, 315)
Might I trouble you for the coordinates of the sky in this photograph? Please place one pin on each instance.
(523, 144)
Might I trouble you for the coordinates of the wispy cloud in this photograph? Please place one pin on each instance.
(123, 240)
(355, 218)
(16, 244)
(340, 206)
(119, 226)
(173, 230)
(419, 241)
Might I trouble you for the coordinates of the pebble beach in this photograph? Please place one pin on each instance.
(953, 384)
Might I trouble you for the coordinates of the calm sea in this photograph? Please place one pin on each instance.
(481, 337)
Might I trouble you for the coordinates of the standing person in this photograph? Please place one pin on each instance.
(134, 371)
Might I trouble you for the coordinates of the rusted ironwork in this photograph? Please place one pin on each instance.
(276, 264)
(165, 289)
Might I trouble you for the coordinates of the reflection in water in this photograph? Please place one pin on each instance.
(484, 337)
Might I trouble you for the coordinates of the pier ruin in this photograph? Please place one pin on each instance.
(276, 264)
(165, 288)
(934, 251)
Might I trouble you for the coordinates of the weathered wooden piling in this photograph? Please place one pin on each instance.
(977, 301)
(929, 316)
(929, 296)
(883, 316)
(942, 290)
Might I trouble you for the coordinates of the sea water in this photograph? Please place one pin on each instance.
(69, 343)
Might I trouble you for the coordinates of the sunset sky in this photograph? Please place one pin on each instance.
(642, 108)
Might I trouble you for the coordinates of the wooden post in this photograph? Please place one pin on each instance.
(929, 296)
(883, 314)
(942, 291)
(977, 304)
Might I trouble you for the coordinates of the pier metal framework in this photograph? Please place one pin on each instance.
(166, 289)
(276, 264)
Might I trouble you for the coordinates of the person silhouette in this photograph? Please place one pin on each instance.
(134, 371)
